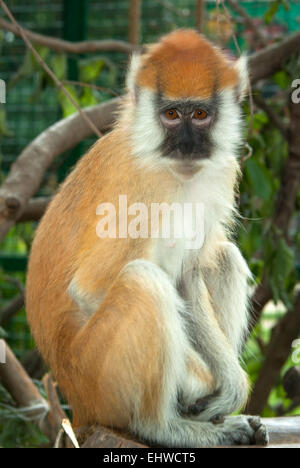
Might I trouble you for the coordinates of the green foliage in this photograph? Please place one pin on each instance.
(15, 429)
(279, 264)
(90, 70)
(273, 9)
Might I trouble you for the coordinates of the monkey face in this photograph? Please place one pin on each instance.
(186, 96)
(187, 126)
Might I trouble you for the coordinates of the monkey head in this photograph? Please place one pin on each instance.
(186, 94)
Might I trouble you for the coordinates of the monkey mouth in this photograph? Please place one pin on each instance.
(186, 168)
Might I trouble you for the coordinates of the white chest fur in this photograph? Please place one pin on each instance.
(186, 231)
(206, 202)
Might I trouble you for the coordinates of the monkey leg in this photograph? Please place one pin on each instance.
(133, 358)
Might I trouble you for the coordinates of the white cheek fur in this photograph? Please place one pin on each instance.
(147, 133)
(227, 131)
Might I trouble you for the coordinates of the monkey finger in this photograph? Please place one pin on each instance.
(262, 436)
(201, 404)
(255, 422)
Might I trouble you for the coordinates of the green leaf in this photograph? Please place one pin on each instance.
(90, 69)
(88, 98)
(280, 264)
(260, 179)
(58, 64)
(260, 120)
(282, 79)
(65, 103)
(4, 130)
(271, 12)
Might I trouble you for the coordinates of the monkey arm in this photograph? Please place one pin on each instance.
(228, 285)
(216, 349)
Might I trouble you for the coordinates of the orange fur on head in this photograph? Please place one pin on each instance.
(185, 64)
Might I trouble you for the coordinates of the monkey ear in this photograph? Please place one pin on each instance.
(134, 67)
(241, 65)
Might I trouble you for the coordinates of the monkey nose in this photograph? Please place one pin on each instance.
(186, 147)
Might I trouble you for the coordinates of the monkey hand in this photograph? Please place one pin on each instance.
(229, 397)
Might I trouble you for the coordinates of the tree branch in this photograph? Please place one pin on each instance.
(59, 45)
(27, 172)
(267, 61)
(291, 383)
(11, 309)
(34, 209)
(16, 381)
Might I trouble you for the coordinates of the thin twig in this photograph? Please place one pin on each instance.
(200, 11)
(134, 21)
(248, 21)
(48, 70)
(230, 21)
(91, 86)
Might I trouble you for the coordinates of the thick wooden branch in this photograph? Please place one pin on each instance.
(47, 415)
(291, 383)
(267, 61)
(27, 173)
(284, 433)
(34, 364)
(16, 381)
(66, 47)
(34, 209)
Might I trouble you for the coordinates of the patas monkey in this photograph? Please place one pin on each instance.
(143, 333)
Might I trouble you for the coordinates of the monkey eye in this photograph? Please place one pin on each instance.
(200, 114)
(171, 114)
